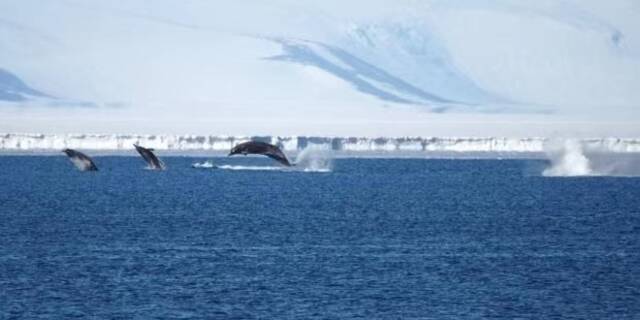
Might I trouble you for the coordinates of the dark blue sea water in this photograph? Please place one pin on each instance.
(373, 238)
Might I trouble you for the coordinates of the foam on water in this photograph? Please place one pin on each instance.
(204, 165)
(211, 165)
(253, 168)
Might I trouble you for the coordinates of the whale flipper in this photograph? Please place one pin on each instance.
(147, 154)
(263, 148)
(80, 160)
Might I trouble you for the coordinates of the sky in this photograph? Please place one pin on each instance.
(284, 67)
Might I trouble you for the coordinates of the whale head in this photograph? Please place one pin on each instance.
(234, 150)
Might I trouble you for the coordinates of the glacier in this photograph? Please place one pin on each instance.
(357, 68)
(430, 52)
(13, 142)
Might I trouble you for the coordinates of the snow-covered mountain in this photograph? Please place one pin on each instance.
(179, 62)
(14, 89)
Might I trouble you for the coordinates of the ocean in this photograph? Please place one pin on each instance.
(367, 238)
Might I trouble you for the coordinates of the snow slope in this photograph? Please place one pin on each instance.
(354, 62)
(14, 89)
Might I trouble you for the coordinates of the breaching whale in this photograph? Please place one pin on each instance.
(263, 148)
(80, 160)
(150, 158)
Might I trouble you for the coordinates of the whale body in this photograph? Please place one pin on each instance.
(148, 156)
(263, 148)
(80, 160)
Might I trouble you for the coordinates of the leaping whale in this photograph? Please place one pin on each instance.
(263, 148)
(80, 160)
(150, 158)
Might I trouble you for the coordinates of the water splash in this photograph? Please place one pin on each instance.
(571, 158)
(567, 159)
(314, 158)
(204, 165)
